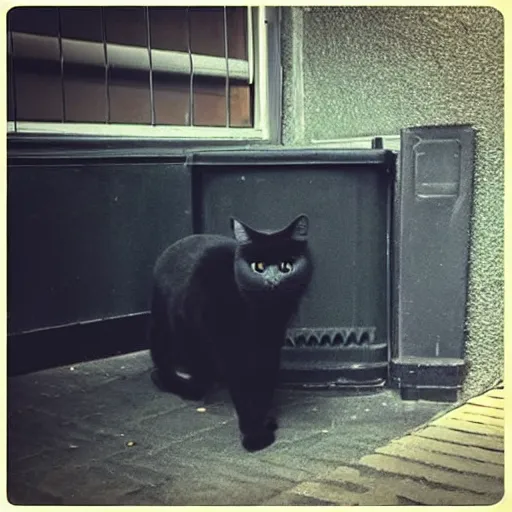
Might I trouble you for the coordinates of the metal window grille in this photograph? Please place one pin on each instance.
(48, 65)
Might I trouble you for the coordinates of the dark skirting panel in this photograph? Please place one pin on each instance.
(387, 302)
(340, 336)
(83, 237)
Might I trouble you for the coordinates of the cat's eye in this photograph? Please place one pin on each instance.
(285, 266)
(258, 266)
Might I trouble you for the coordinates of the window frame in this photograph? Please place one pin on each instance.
(264, 70)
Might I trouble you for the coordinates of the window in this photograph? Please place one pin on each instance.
(180, 72)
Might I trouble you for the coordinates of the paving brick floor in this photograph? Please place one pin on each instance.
(455, 459)
(99, 433)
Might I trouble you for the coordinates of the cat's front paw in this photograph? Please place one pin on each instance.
(258, 440)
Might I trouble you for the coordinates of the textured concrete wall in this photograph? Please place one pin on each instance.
(363, 71)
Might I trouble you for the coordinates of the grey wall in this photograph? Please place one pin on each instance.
(364, 71)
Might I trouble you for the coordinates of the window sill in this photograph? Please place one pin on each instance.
(138, 131)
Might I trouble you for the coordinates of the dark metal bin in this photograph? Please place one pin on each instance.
(341, 334)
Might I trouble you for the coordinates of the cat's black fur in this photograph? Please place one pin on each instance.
(216, 316)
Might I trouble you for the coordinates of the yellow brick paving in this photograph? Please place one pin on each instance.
(456, 459)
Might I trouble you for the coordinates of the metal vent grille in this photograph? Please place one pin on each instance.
(330, 336)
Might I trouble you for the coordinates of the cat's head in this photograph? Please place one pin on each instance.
(272, 265)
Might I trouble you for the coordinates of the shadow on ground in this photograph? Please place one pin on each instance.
(100, 433)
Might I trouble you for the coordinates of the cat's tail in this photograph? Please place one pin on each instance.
(179, 383)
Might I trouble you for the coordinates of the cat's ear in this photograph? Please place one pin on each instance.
(299, 228)
(240, 231)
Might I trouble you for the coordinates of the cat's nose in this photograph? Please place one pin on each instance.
(272, 277)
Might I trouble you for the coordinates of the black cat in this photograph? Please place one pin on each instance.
(219, 312)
